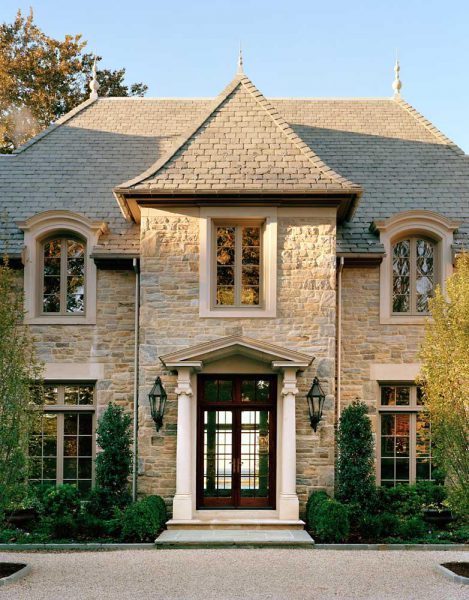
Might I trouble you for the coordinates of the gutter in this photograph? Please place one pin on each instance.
(136, 268)
(339, 336)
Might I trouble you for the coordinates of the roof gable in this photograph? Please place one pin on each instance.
(196, 356)
(243, 144)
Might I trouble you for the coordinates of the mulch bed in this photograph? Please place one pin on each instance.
(7, 569)
(460, 568)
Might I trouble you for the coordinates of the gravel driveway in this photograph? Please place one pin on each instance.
(229, 574)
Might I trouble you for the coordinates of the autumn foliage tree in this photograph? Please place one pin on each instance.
(445, 378)
(42, 78)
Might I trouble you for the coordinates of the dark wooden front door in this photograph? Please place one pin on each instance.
(236, 424)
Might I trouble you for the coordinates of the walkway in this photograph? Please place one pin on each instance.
(265, 574)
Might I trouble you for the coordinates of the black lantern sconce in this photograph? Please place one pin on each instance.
(157, 397)
(315, 398)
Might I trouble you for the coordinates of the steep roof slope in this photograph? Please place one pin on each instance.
(243, 144)
(383, 145)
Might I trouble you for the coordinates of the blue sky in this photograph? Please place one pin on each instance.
(302, 48)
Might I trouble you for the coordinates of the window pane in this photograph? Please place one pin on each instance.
(425, 273)
(49, 468)
(248, 390)
(263, 390)
(52, 249)
(387, 425)
(226, 236)
(225, 390)
(211, 390)
(251, 236)
(225, 296)
(387, 446)
(49, 446)
(85, 424)
(225, 276)
(50, 395)
(251, 255)
(250, 295)
(49, 424)
(70, 468)
(84, 485)
(84, 468)
(402, 396)
(70, 446)
(423, 434)
(400, 276)
(70, 424)
(75, 249)
(84, 446)
(76, 267)
(250, 276)
(71, 394)
(402, 469)
(51, 304)
(387, 468)
(52, 266)
(86, 394)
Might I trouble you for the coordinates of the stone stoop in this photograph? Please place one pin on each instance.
(251, 524)
(234, 538)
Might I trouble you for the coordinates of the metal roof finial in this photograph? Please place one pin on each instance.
(94, 85)
(240, 70)
(397, 84)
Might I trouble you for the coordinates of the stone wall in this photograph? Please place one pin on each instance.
(170, 321)
(365, 341)
(109, 342)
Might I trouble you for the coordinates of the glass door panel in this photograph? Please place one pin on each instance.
(218, 457)
(254, 457)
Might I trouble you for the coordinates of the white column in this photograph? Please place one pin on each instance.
(182, 503)
(288, 501)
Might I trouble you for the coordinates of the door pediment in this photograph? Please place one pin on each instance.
(200, 354)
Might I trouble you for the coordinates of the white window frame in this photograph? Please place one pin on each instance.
(209, 217)
(413, 223)
(38, 229)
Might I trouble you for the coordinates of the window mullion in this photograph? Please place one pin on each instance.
(60, 447)
(412, 448)
(63, 277)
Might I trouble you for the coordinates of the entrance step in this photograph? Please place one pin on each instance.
(249, 524)
(232, 538)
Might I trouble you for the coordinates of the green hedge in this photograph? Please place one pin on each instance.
(327, 519)
(142, 521)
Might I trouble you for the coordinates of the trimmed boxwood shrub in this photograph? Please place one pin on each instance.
(378, 527)
(332, 522)
(142, 520)
(327, 518)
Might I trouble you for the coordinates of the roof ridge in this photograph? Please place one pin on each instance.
(287, 130)
(63, 119)
(437, 133)
(274, 114)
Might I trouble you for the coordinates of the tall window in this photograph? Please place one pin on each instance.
(238, 265)
(62, 449)
(63, 276)
(413, 275)
(405, 447)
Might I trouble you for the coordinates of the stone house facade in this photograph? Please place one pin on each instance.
(237, 248)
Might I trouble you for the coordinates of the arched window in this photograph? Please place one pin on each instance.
(413, 274)
(63, 275)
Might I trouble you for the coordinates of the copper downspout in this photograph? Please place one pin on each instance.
(339, 336)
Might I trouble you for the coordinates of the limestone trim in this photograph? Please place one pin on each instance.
(183, 503)
(413, 222)
(73, 371)
(208, 216)
(196, 356)
(36, 230)
(288, 506)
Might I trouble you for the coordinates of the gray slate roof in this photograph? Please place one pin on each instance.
(401, 161)
(242, 145)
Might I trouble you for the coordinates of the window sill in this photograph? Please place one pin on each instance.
(238, 313)
(60, 320)
(404, 319)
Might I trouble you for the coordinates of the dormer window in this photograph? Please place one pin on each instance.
(413, 275)
(63, 276)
